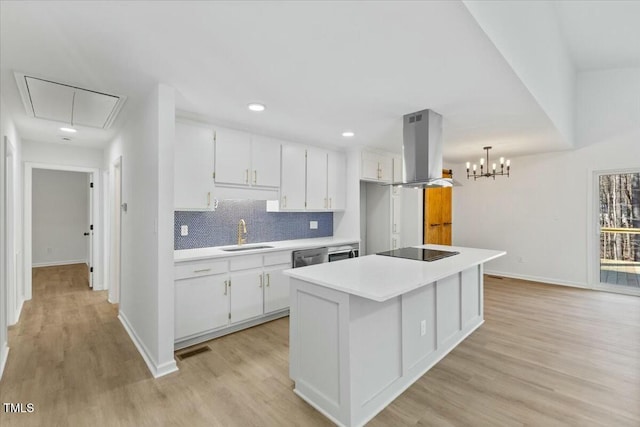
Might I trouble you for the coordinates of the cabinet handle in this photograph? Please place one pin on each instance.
(226, 284)
(434, 225)
(209, 199)
(395, 228)
(260, 281)
(202, 271)
(395, 243)
(330, 203)
(246, 176)
(326, 205)
(268, 279)
(284, 205)
(255, 176)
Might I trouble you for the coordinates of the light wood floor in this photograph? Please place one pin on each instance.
(546, 356)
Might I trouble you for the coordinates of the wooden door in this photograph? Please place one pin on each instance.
(433, 215)
(437, 214)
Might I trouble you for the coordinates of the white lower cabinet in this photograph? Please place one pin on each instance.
(214, 297)
(201, 304)
(246, 295)
(276, 288)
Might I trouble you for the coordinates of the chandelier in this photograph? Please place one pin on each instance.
(488, 174)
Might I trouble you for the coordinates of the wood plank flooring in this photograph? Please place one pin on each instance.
(546, 356)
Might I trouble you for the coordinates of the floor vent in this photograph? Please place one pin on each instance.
(193, 352)
(495, 277)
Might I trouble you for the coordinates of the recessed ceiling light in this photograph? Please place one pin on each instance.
(70, 130)
(348, 134)
(254, 106)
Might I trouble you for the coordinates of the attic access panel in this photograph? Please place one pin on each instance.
(45, 99)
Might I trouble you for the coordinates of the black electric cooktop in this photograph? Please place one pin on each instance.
(418, 254)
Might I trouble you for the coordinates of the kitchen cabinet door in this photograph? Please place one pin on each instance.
(293, 185)
(201, 304)
(276, 289)
(265, 161)
(233, 157)
(317, 179)
(246, 295)
(397, 169)
(336, 180)
(376, 167)
(396, 214)
(193, 160)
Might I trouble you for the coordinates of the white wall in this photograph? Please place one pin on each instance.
(543, 215)
(61, 154)
(528, 36)
(11, 273)
(146, 293)
(60, 217)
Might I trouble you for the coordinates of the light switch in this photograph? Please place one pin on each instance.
(423, 328)
(313, 225)
(184, 230)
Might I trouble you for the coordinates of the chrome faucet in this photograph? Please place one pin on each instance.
(242, 232)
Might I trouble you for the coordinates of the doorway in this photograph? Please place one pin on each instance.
(618, 224)
(92, 227)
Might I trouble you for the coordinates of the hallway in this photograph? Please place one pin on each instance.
(68, 350)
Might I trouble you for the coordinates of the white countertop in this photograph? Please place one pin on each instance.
(218, 252)
(380, 278)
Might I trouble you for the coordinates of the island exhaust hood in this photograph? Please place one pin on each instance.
(422, 151)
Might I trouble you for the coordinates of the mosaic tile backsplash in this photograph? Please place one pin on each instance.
(220, 227)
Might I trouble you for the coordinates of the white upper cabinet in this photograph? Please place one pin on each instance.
(246, 160)
(233, 157)
(193, 175)
(397, 169)
(317, 179)
(265, 161)
(336, 180)
(376, 167)
(292, 187)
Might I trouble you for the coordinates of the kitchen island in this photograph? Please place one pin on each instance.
(363, 330)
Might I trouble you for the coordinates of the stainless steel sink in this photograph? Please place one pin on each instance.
(247, 248)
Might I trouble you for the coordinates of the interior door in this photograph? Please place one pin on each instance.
(90, 249)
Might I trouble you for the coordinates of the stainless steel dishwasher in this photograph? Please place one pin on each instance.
(309, 257)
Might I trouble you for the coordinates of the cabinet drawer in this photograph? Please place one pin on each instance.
(245, 262)
(276, 258)
(199, 268)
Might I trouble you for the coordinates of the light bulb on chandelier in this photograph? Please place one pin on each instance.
(503, 165)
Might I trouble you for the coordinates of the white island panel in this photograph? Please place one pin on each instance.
(350, 356)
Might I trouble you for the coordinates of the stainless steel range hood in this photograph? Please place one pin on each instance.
(422, 151)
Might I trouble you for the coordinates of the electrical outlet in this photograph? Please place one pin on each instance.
(423, 328)
(313, 225)
(184, 230)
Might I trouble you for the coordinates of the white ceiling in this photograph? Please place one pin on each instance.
(601, 34)
(319, 67)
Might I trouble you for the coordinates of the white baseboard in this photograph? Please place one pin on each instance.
(155, 369)
(55, 263)
(4, 355)
(538, 279)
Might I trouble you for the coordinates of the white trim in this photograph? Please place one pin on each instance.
(540, 279)
(4, 355)
(55, 263)
(28, 217)
(155, 369)
(604, 287)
